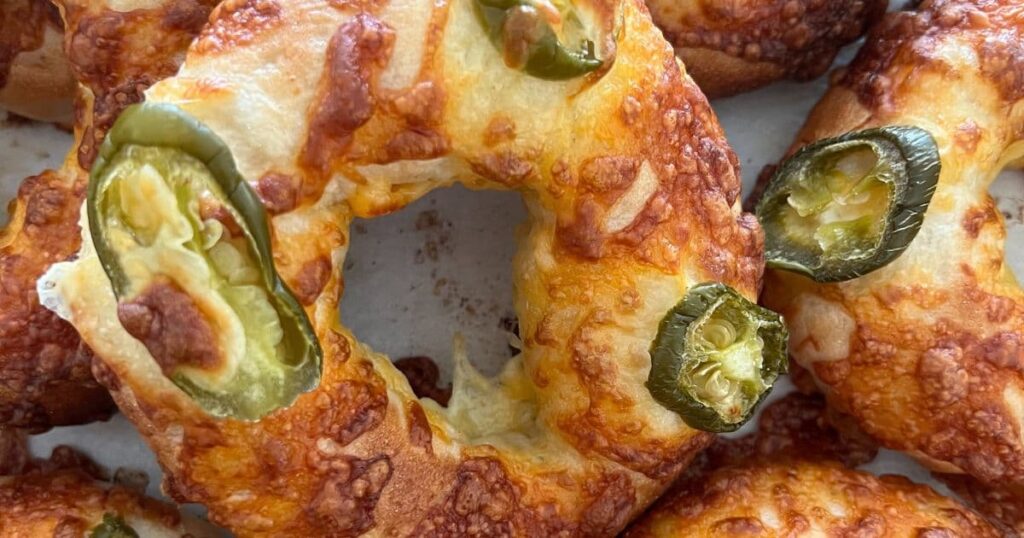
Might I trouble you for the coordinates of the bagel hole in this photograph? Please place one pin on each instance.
(1008, 191)
(438, 268)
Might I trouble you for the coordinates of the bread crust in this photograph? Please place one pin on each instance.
(35, 79)
(377, 107)
(733, 47)
(67, 495)
(795, 476)
(924, 353)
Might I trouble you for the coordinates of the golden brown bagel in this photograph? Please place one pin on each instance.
(926, 353)
(71, 503)
(45, 377)
(736, 46)
(66, 495)
(633, 194)
(35, 80)
(790, 478)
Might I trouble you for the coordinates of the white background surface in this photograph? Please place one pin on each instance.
(441, 266)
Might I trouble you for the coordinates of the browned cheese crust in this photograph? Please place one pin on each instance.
(45, 377)
(69, 502)
(791, 479)
(35, 80)
(736, 46)
(65, 495)
(779, 497)
(927, 353)
(633, 195)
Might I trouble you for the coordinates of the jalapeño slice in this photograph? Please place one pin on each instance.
(113, 526)
(185, 243)
(523, 32)
(843, 207)
(716, 356)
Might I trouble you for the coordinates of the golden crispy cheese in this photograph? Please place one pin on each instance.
(926, 353)
(336, 110)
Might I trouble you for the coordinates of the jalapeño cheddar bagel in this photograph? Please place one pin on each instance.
(887, 250)
(216, 225)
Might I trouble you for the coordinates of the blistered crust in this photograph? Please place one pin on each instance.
(44, 368)
(794, 477)
(71, 503)
(632, 192)
(926, 352)
(731, 47)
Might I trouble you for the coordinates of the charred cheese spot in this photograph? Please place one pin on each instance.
(500, 129)
(356, 53)
(346, 501)
(312, 279)
(43, 228)
(278, 192)
(172, 327)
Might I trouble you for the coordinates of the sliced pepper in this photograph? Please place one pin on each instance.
(523, 33)
(113, 526)
(843, 207)
(715, 358)
(185, 243)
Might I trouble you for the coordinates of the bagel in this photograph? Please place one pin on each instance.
(66, 496)
(45, 377)
(923, 350)
(116, 54)
(635, 240)
(733, 47)
(795, 477)
(70, 501)
(35, 80)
